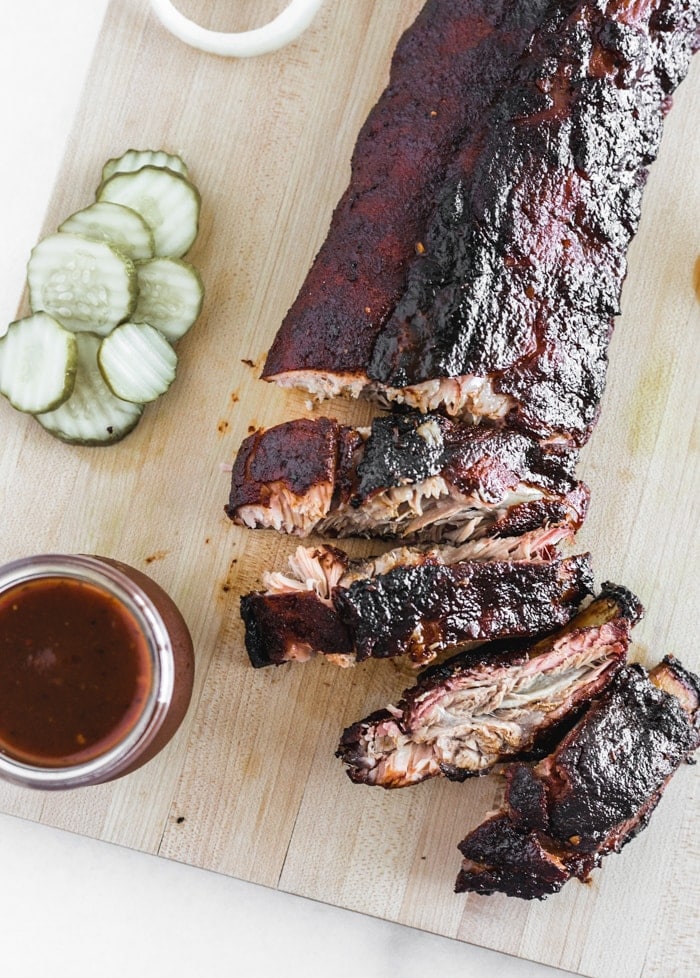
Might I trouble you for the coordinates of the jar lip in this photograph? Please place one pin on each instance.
(101, 573)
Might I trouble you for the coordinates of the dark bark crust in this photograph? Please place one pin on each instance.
(377, 617)
(593, 794)
(446, 69)
(465, 602)
(523, 201)
(525, 255)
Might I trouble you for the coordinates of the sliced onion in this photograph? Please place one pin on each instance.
(286, 27)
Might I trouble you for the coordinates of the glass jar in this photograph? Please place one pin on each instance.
(96, 670)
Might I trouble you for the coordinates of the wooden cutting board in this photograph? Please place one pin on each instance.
(250, 786)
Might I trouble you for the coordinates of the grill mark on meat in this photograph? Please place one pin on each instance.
(594, 793)
(408, 602)
(445, 71)
(412, 476)
(501, 701)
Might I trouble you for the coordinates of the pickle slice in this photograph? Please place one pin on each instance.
(137, 362)
(170, 296)
(38, 363)
(86, 285)
(167, 201)
(135, 159)
(92, 415)
(117, 225)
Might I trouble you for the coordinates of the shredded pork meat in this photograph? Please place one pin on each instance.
(481, 708)
(594, 793)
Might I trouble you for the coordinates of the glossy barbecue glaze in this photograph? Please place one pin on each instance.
(494, 703)
(508, 303)
(594, 793)
(429, 608)
(407, 602)
(525, 253)
(445, 71)
(412, 476)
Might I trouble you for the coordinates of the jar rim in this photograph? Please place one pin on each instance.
(106, 575)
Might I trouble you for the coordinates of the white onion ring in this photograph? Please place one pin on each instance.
(286, 27)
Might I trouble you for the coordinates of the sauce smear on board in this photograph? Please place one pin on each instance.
(75, 671)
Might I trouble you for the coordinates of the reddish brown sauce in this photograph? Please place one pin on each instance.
(75, 671)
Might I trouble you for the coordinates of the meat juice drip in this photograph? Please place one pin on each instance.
(75, 672)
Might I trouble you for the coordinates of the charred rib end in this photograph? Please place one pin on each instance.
(529, 865)
(629, 605)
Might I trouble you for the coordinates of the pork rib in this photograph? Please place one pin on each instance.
(446, 69)
(525, 255)
(411, 476)
(494, 704)
(411, 602)
(594, 794)
(507, 311)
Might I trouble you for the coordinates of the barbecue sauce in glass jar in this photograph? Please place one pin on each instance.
(96, 670)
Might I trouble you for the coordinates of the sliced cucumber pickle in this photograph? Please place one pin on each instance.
(134, 159)
(38, 363)
(117, 225)
(137, 362)
(109, 295)
(92, 415)
(86, 285)
(170, 296)
(167, 201)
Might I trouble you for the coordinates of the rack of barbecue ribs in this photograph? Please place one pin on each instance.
(496, 703)
(468, 284)
(507, 307)
(594, 793)
(446, 70)
(413, 476)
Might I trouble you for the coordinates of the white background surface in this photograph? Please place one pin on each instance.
(74, 907)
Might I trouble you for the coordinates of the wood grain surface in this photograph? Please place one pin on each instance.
(250, 786)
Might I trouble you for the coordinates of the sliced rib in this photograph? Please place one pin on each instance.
(496, 703)
(594, 794)
(410, 602)
(411, 476)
